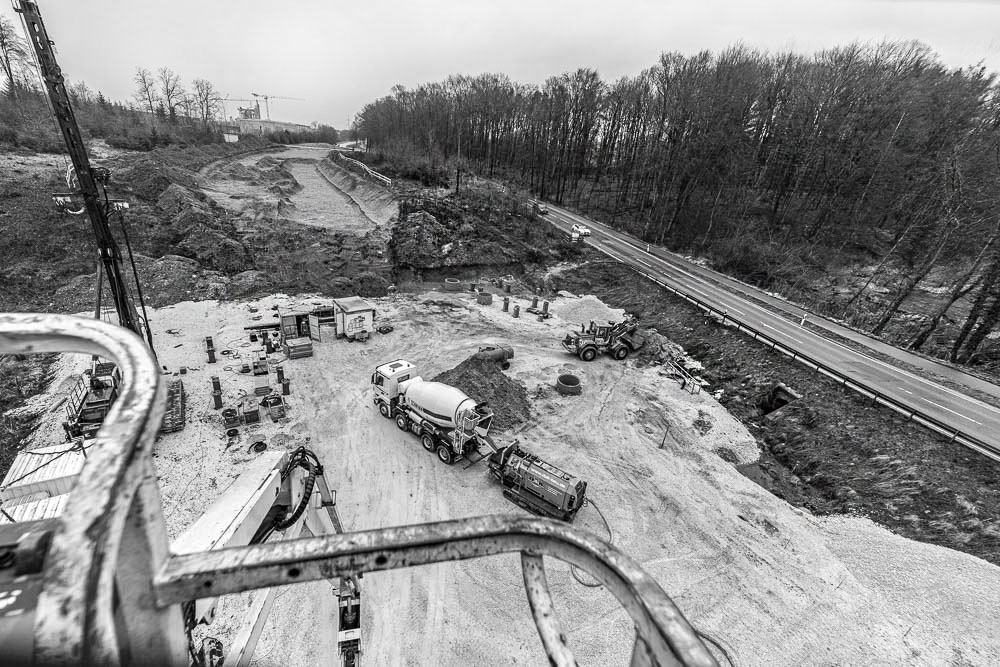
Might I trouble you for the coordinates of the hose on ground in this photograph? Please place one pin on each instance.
(573, 569)
(594, 584)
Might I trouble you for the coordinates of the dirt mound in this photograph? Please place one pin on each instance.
(195, 226)
(589, 308)
(483, 380)
(148, 177)
(472, 229)
(166, 280)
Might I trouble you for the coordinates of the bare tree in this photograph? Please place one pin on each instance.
(146, 93)
(171, 91)
(206, 99)
(13, 53)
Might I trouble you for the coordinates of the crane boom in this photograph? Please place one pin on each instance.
(97, 211)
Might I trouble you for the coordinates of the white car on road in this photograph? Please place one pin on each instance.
(583, 230)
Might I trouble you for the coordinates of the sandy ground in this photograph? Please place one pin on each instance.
(776, 585)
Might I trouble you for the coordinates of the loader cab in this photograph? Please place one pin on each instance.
(386, 378)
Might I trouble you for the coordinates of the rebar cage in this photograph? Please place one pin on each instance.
(112, 591)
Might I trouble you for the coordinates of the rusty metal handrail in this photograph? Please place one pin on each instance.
(115, 507)
(109, 569)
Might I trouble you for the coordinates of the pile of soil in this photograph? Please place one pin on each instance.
(830, 451)
(483, 380)
(473, 229)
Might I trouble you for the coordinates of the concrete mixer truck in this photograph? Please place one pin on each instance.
(447, 421)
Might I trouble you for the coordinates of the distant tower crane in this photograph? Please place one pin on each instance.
(227, 98)
(267, 110)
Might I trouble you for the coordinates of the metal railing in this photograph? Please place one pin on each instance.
(112, 592)
(387, 182)
(956, 435)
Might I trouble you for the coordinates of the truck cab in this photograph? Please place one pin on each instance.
(385, 383)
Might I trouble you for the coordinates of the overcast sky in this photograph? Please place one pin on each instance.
(338, 56)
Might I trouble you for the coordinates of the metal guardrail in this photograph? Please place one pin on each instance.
(956, 435)
(112, 592)
(387, 182)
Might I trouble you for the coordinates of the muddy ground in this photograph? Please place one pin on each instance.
(831, 451)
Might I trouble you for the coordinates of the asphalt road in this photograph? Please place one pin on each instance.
(953, 409)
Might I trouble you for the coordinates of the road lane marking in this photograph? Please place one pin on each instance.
(765, 324)
(953, 412)
(906, 390)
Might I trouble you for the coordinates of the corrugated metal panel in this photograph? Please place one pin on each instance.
(51, 469)
(46, 508)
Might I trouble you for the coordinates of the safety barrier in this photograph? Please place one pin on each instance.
(112, 593)
(956, 435)
(387, 182)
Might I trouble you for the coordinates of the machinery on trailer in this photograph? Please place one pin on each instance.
(445, 419)
(619, 339)
(535, 485)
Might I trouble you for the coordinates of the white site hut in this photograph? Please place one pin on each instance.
(353, 318)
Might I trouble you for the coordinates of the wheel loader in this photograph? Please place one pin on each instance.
(619, 339)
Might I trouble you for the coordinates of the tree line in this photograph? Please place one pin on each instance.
(780, 166)
(162, 109)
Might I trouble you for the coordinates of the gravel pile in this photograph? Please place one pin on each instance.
(588, 308)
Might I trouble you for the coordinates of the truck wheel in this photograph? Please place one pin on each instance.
(505, 365)
(402, 422)
(621, 353)
(384, 410)
(427, 440)
(444, 454)
(588, 353)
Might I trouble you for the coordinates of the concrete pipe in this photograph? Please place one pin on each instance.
(568, 385)
(452, 285)
(517, 311)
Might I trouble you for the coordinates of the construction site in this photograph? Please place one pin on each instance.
(324, 416)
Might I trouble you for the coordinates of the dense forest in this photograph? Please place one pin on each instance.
(779, 167)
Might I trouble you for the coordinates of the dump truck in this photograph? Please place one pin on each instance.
(535, 485)
(445, 419)
(619, 339)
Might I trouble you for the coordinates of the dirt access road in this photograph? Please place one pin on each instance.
(775, 584)
(295, 184)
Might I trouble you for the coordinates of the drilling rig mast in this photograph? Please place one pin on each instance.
(94, 200)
